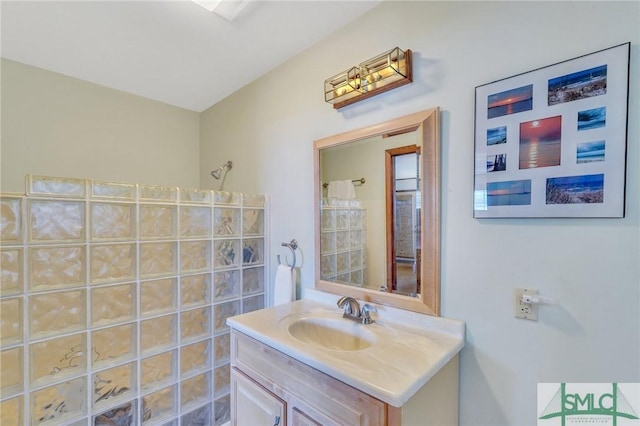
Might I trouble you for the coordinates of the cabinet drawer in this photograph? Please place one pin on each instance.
(311, 395)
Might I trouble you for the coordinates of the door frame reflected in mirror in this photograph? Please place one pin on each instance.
(427, 123)
(392, 223)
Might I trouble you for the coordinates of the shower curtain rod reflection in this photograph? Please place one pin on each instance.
(217, 173)
(361, 181)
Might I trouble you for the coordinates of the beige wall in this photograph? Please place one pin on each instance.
(55, 125)
(589, 265)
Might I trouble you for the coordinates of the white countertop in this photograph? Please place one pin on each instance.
(401, 361)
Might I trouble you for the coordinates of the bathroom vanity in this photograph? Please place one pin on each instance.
(301, 363)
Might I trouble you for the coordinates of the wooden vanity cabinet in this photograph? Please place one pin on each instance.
(271, 388)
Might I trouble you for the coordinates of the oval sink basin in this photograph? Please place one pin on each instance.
(334, 334)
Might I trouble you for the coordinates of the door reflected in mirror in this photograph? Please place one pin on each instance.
(377, 213)
(403, 203)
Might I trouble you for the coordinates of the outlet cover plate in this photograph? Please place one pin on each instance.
(524, 310)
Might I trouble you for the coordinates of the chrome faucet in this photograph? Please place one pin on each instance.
(352, 310)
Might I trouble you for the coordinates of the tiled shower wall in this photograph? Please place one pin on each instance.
(114, 298)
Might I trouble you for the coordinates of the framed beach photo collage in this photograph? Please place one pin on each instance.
(552, 142)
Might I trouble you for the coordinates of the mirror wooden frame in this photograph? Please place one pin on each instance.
(428, 123)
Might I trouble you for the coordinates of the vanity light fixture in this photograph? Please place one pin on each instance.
(377, 75)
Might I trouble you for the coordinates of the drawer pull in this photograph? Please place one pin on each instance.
(276, 421)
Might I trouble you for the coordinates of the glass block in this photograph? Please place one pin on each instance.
(113, 344)
(356, 277)
(56, 267)
(195, 324)
(113, 304)
(12, 371)
(195, 256)
(328, 242)
(158, 296)
(253, 200)
(11, 280)
(222, 348)
(110, 221)
(11, 411)
(122, 415)
(226, 285)
(342, 219)
(10, 321)
(54, 186)
(113, 262)
(158, 370)
(226, 254)
(222, 410)
(114, 190)
(158, 333)
(195, 290)
(327, 265)
(63, 356)
(56, 221)
(195, 357)
(200, 196)
(157, 221)
(344, 278)
(197, 417)
(222, 378)
(157, 259)
(226, 222)
(195, 222)
(252, 280)
(253, 222)
(253, 251)
(114, 384)
(157, 193)
(231, 198)
(342, 240)
(342, 262)
(356, 260)
(159, 405)
(355, 239)
(328, 219)
(10, 220)
(222, 312)
(55, 313)
(195, 390)
(355, 219)
(59, 402)
(253, 303)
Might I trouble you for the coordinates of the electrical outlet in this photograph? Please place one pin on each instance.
(524, 310)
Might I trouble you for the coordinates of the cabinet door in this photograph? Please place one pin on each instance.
(251, 404)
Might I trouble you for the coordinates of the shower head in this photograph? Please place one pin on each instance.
(218, 172)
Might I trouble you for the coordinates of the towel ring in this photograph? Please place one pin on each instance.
(293, 245)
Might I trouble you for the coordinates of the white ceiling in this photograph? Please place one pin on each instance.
(175, 52)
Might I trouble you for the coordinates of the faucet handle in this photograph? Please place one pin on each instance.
(366, 313)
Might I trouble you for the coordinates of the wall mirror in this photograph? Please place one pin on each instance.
(377, 213)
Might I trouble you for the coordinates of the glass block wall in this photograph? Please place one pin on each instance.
(343, 241)
(114, 299)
